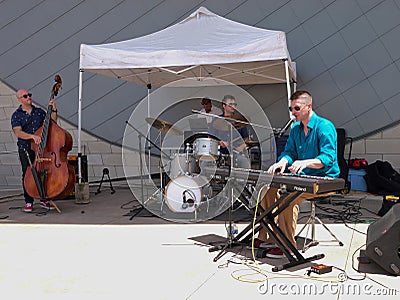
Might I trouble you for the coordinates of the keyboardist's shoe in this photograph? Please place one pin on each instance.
(275, 253)
(262, 245)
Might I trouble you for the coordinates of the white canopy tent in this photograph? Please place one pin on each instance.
(202, 45)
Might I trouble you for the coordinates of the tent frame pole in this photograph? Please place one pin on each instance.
(80, 126)
(287, 81)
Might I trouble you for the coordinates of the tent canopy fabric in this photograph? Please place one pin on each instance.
(202, 45)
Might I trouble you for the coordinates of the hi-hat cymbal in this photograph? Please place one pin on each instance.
(222, 124)
(164, 126)
(252, 143)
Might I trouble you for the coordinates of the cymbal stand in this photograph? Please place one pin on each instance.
(141, 165)
(231, 239)
(141, 135)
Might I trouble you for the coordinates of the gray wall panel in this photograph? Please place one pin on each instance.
(254, 11)
(10, 12)
(32, 21)
(367, 5)
(343, 12)
(283, 19)
(377, 63)
(391, 42)
(320, 27)
(386, 81)
(322, 88)
(333, 50)
(358, 34)
(305, 9)
(327, 2)
(374, 118)
(392, 107)
(337, 110)
(347, 73)
(353, 128)
(384, 17)
(311, 64)
(346, 52)
(298, 42)
(361, 98)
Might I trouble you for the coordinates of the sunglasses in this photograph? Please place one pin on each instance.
(26, 95)
(232, 104)
(296, 108)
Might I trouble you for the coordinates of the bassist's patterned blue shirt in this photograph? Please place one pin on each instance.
(28, 122)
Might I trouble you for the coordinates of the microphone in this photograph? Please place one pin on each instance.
(285, 128)
(187, 202)
(184, 202)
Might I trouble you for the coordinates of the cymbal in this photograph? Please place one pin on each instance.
(164, 126)
(252, 143)
(222, 124)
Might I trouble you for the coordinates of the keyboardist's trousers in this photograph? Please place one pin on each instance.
(287, 219)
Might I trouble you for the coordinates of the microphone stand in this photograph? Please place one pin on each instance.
(229, 119)
(286, 127)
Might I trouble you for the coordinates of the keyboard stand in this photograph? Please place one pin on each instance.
(265, 219)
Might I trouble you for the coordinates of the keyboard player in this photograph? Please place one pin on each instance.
(310, 150)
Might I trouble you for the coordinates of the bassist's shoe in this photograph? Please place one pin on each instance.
(28, 208)
(46, 205)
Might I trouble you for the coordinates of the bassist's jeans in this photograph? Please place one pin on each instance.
(24, 164)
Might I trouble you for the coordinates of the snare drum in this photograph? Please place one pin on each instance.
(205, 149)
(184, 193)
(181, 166)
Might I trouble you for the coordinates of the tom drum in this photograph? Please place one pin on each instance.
(205, 149)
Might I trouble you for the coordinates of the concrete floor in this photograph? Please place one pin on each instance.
(98, 251)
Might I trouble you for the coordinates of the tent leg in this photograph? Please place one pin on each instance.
(80, 126)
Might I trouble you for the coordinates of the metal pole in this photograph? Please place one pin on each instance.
(80, 125)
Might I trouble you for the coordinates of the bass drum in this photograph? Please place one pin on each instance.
(185, 193)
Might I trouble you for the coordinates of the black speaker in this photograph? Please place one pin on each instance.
(383, 241)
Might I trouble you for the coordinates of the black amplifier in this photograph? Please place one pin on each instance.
(73, 161)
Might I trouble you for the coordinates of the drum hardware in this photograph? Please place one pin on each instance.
(187, 151)
(224, 161)
(140, 136)
(182, 164)
(162, 126)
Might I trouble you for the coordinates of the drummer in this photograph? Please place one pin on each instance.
(210, 109)
(229, 105)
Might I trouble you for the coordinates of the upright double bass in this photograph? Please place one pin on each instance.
(50, 176)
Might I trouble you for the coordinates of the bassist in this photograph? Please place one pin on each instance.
(25, 121)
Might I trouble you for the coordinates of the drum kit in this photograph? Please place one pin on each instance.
(187, 188)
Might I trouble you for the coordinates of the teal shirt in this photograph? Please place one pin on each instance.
(320, 142)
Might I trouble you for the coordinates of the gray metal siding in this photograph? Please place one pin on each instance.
(346, 53)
